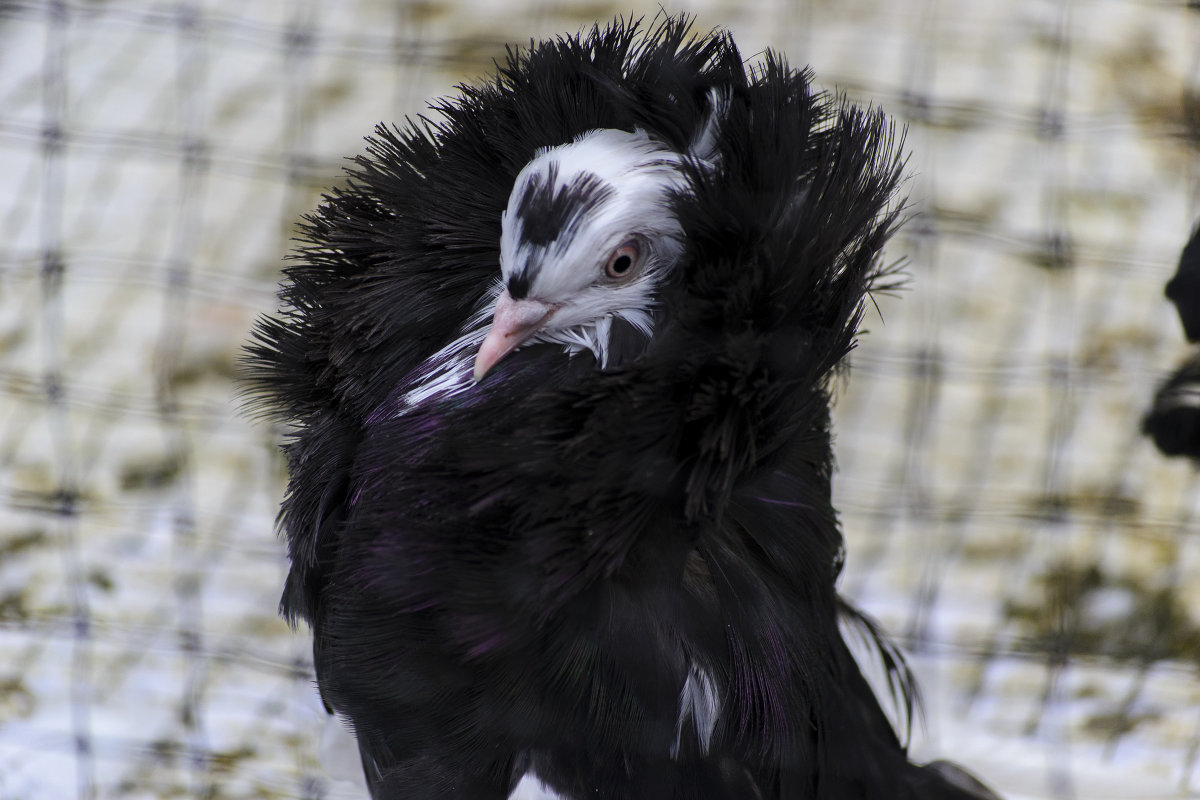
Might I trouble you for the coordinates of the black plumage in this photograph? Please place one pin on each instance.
(1184, 288)
(619, 578)
(1173, 420)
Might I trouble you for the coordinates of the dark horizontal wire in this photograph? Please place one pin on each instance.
(268, 550)
(90, 266)
(232, 649)
(295, 167)
(1031, 370)
(53, 503)
(122, 747)
(997, 517)
(1008, 509)
(364, 46)
(157, 640)
(234, 288)
(213, 417)
(208, 417)
(1076, 125)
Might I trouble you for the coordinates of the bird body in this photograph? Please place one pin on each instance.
(558, 374)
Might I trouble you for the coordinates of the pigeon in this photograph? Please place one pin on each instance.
(1184, 288)
(1173, 420)
(555, 367)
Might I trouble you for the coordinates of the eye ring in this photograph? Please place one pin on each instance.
(624, 261)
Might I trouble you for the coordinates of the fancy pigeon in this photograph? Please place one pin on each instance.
(556, 367)
(1173, 420)
(1184, 288)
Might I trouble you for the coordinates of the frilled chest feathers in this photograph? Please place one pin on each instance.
(588, 234)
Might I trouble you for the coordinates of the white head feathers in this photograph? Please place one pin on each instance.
(589, 230)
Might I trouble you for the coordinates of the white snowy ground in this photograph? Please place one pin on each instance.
(154, 155)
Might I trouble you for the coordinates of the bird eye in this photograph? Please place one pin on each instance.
(623, 261)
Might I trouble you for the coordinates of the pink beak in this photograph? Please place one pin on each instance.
(513, 322)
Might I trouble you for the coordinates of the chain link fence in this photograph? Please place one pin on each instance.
(1006, 520)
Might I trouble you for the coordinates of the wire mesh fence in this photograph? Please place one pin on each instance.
(1006, 520)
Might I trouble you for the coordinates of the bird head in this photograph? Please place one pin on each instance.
(588, 234)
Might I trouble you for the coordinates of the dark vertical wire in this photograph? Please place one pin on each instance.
(873, 543)
(964, 508)
(1192, 756)
(998, 381)
(1187, 527)
(412, 57)
(299, 43)
(1050, 126)
(924, 366)
(1151, 652)
(1191, 499)
(542, 10)
(1113, 525)
(1060, 384)
(1192, 753)
(1192, 100)
(999, 376)
(187, 566)
(53, 273)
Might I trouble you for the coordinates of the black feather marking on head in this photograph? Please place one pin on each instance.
(546, 211)
(518, 285)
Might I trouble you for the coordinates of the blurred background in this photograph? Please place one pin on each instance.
(1006, 519)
